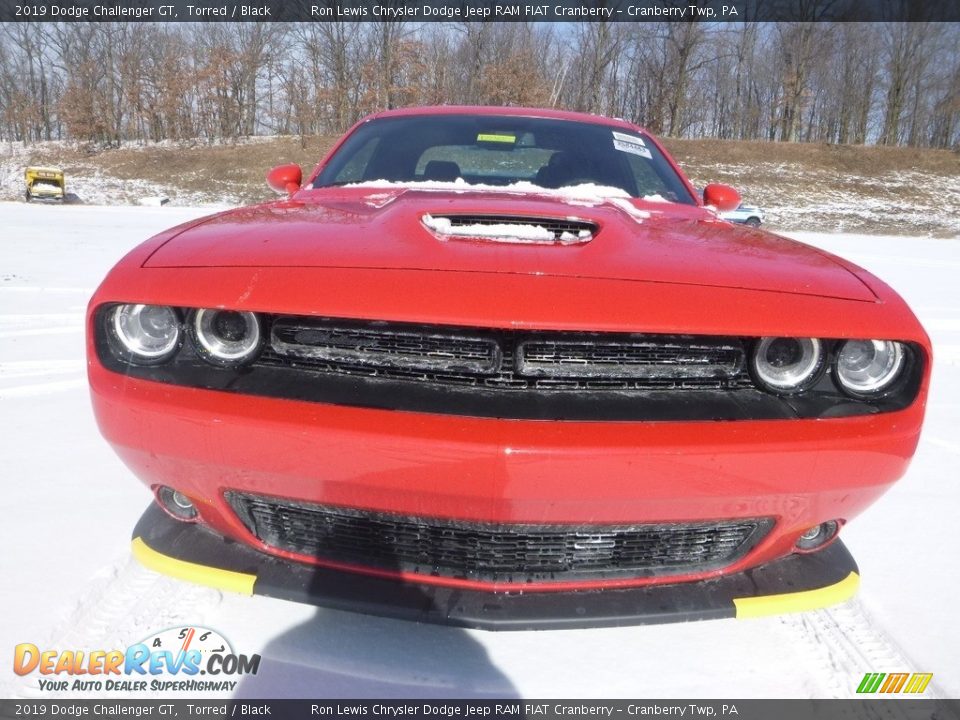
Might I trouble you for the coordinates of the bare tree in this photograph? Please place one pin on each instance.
(904, 63)
(893, 83)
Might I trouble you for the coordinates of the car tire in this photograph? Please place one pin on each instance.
(752, 221)
(28, 196)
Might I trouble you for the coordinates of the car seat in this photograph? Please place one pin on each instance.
(442, 170)
(562, 168)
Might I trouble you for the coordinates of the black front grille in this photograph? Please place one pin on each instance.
(510, 374)
(504, 553)
(363, 346)
(506, 360)
(563, 229)
(629, 359)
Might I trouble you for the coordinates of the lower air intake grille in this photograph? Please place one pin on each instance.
(495, 552)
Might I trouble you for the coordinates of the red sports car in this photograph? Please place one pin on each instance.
(503, 368)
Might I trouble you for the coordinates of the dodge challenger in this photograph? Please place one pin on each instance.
(503, 368)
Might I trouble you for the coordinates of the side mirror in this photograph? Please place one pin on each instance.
(722, 197)
(285, 179)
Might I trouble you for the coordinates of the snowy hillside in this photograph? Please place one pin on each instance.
(69, 581)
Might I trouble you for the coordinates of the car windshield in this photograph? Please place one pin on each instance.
(503, 150)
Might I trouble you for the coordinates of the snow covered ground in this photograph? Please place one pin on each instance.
(68, 580)
(89, 183)
(796, 195)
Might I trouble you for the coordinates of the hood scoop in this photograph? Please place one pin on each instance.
(516, 229)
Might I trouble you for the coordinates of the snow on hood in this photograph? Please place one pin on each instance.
(504, 232)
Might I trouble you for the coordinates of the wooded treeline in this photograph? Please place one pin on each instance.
(885, 83)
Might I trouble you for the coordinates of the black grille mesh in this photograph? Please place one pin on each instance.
(495, 552)
(641, 359)
(361, 346)
(507, 360)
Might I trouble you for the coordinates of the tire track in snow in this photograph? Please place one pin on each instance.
(46, 388)
(946, 354)
(126, 603)
(13, 369)
(31, 319)
(899, 261)
(32, 324)
(16, 370)
(31, 332)
(842, 644)
(950, 447)
(944, 324)
(40, 289)
(123, 604)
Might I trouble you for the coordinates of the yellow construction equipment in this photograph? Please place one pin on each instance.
(44, 183)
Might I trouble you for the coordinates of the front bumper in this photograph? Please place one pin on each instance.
(800, 473)
(793, 584)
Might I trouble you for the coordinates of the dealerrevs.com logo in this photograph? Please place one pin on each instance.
(174, 660)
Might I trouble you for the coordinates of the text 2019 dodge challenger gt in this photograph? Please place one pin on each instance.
(502, 368)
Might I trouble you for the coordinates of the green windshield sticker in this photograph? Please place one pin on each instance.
(496, 138)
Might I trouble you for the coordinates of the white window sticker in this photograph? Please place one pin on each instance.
(630, 144)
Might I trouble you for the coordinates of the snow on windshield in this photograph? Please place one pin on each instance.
(584, 191)
(584, 195)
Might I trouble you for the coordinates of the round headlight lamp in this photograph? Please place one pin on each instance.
(148, 333)
(226, 337)
(787, 365)
(868, 367)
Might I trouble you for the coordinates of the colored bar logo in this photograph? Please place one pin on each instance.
(914, 683)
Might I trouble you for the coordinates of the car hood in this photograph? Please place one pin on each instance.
(385, 229)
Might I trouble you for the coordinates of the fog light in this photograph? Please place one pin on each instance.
(818, 536)
(176, 504)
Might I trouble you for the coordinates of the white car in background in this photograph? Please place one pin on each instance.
(745, 214)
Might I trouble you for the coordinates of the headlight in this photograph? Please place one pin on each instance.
(867, 367)
(226, 337)
(149, 333)
(787, 365)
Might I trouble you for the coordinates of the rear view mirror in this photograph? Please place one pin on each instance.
(722, 197)
(285, 179)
